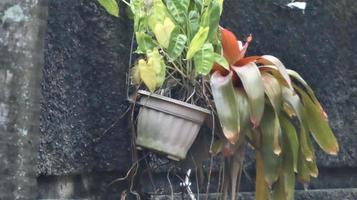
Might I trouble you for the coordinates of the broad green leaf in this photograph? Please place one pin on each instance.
(193, 22)
(203, 59)
(226, 105)
(220, 6)
(163, 32)
(271, 161)
(271, 60)
(178, 9)
(221, 61)
(318, 125)
(211, 19)
(144, 41)
(147, 74)
(293, 101)
(253, 86)
(111, 6)
(157, 14)
(290, 139)
(197, 41)
(177, 44)
(261, 188)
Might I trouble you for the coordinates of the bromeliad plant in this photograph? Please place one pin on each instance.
(257, 99)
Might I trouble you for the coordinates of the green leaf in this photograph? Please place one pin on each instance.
(177, 44)
(178, 9)
(203, 59)
(144, 41)
(291, 141)
(221, 61)
(311, 93)
(294, 102)
(111, 6)
(272, 89)
(303, 169)
(261, 189)
(271, 60)
(270, 159)
(226, 105)
(194, 22)
(211, 19)
(285, 187)
(318, 125)
(197, 42)
(253, 86)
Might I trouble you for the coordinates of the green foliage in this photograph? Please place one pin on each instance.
(111, 6)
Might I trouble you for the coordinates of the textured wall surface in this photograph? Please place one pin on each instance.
(22, 27)
(84, 90)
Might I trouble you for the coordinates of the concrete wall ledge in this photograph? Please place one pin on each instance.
(325, 194)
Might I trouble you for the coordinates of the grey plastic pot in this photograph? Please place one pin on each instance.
(167, 125)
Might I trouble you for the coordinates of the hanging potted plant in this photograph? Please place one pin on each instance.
(178, 43)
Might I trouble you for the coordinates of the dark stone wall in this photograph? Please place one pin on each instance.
(83, 89)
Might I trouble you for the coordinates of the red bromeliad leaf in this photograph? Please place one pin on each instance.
(246, 60)
(226, 105)
(253, 86)
(230, 46)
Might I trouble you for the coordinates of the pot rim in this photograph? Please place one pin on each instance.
(175, 101)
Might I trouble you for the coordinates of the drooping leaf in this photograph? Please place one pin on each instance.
(178, 9)
(197, 42)
(144, 41)
(285, 186)
(271, 60)
(225, 101)
(111, 6)
(194, 22)
(318, 125)
(272, 89)
(230, 47)
(271, 161)
(244, 109)
(293, 101)
(303, 169)
(261, 188)
(177, 44)
(221, 61)
(253, 86)
(311, 93)
(163, 32)
(220, 6)
(203, 59)
(291, 141)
